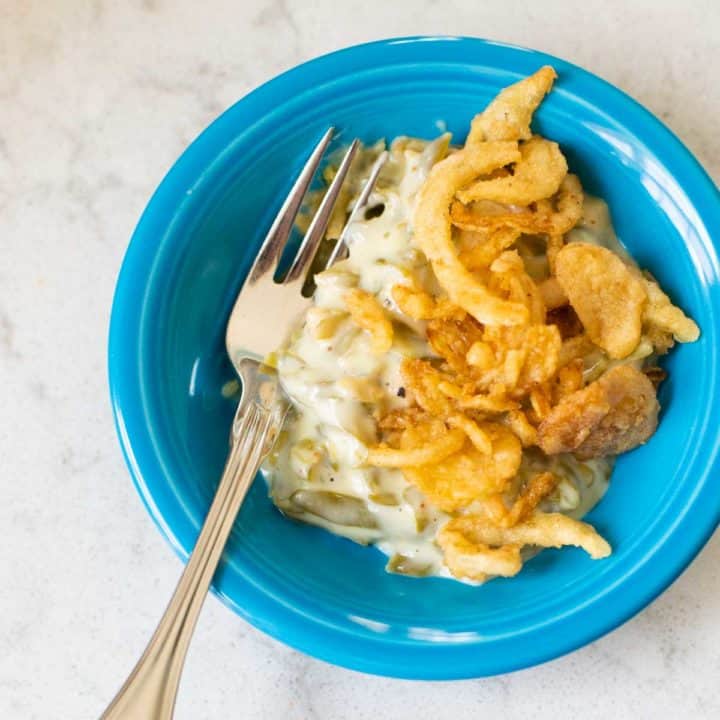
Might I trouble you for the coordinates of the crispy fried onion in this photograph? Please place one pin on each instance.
(508, 116)
(422, 444)
(367, 312)
(525, 356)
(554, 216)
(608, 296)
(535, 491)
(510, 280)
(433, 231)
(418, 304)
(468, 474)
(484, 368)
(478, 250)
(468, 542)
(660, 314)
(477, 561)
(536, 175)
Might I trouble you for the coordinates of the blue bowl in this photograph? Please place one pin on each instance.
(325, 595)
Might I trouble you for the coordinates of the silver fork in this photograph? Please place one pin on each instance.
(262, 314)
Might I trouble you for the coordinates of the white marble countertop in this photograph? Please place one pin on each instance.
(97, 98)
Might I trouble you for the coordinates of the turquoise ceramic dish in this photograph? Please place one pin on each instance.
(324, 595)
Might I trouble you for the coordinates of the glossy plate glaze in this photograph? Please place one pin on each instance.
(324, 595)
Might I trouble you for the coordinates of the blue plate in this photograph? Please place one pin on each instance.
(324, 595)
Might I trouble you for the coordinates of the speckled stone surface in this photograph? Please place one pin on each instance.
(97, 98)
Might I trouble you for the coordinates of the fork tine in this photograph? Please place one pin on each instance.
(320, 221)
(277, 237)
(340, 249)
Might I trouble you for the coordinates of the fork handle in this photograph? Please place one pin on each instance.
(150, 690)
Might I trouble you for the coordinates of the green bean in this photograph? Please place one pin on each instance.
(384, 498)
(334, 507)
(404, 565)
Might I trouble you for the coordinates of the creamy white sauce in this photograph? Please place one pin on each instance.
(338, 386)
